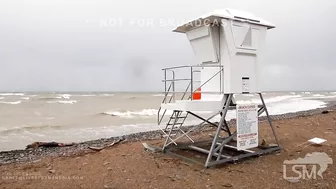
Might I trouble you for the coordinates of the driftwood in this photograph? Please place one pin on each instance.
(151, 148)
(48, 144)
(327, 111)
(94, 148)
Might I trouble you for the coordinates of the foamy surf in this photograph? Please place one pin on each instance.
(63, 102)
(295, 106)
(12, 94)
(130, 114)
(13, 103)
(269, 100)
(86, 95)
(144, 113)
(65, 96)
(318, 95)
(290, 106)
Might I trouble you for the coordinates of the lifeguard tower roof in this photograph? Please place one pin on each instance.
(227, 13)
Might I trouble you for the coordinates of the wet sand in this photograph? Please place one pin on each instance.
(128, 165)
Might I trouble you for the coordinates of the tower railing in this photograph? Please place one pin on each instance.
(171, 92)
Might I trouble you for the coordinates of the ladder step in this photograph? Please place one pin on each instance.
(175, 123)
(178, 117)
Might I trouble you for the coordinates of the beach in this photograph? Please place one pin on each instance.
(129, 165)
(85, 116)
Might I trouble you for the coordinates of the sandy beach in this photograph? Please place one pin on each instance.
(128, 165)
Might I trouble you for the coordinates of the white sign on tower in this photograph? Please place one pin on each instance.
(247, 126)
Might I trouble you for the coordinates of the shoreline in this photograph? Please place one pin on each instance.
(35, 155)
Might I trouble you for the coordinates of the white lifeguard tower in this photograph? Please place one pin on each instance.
(227, 44)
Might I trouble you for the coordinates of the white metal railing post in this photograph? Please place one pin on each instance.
(192, 82)
(165, 82)
(174, 86)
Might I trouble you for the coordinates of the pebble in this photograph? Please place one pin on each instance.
(38, 160)
(106, 163)
(52, 171)
(108, 186)
(180, 177)
(227, 185)
(109, 168)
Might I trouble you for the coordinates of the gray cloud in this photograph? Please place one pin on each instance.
(103, 46)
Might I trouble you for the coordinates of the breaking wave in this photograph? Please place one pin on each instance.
(63, 102)
(25, 98)
(2, 98)
(64, 96)
(14, 102)
(130, 114)
(12, 94)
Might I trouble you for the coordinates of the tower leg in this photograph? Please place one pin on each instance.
(269, 118)
(222, 120)
(217, 146)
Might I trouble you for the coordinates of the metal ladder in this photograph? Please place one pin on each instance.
(174, 127)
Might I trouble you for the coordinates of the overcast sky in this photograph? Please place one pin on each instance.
(101, 45)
